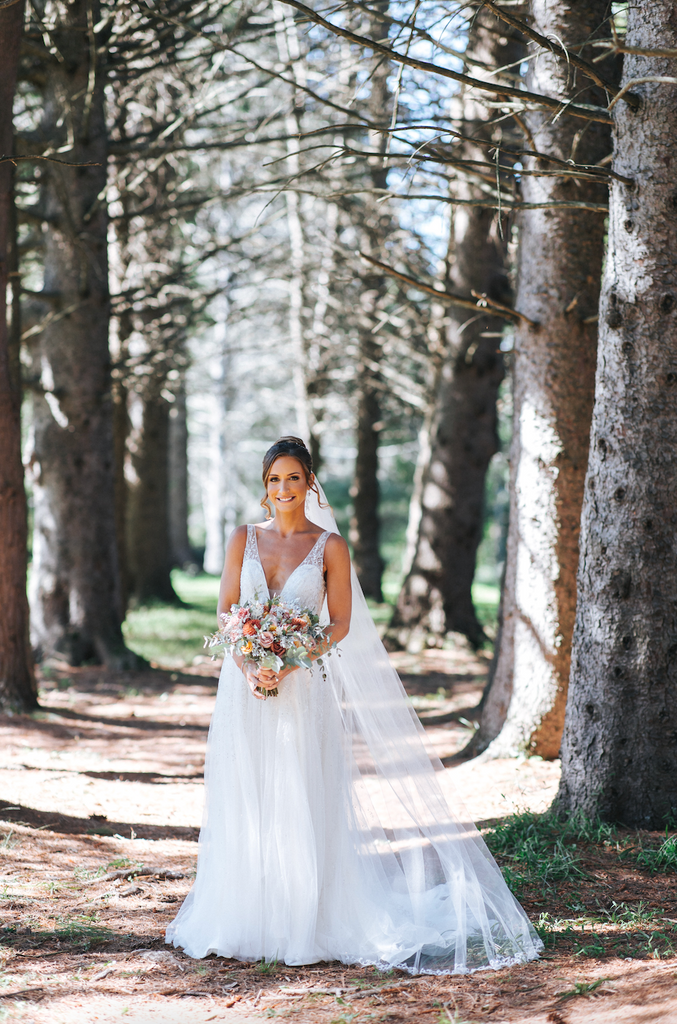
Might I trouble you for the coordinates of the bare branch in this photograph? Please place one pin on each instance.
(584, 110)
(638, 51)
(453, 300)
(559, 51)
(50, 159)
(640, 81)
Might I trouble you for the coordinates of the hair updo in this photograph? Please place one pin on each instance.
(295, 448)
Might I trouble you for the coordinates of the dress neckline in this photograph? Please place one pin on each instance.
(277, 593)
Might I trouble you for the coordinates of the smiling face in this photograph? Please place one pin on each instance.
(287, 485)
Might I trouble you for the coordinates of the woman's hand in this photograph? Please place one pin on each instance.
(270, 679)
(251, 674)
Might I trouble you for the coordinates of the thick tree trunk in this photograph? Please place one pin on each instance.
(148, 543)
(121, 429)
(17, 682)
(365, 522)
(436, 596)
(558, 286)
(179, 544)
(365, 525)
(618, 754)
(75, 583)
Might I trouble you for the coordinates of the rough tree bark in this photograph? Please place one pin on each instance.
(436, 594)
(76, 600)
(558, 286)
(148, 539)
(179, 542)
(619, 754)
(17, 682)
(365, 524)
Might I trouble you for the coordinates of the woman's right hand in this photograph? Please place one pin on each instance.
(250, 672)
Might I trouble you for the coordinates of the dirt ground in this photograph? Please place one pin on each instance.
(100, 806)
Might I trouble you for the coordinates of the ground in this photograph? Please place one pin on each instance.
(100, 808)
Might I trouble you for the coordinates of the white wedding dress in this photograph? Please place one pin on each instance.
(326, 835)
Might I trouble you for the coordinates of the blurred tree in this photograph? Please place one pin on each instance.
(618, 753)
(374, 227)
(18, 690)
(76, 600)
(460, 434)
(554, 372)
(179, 543)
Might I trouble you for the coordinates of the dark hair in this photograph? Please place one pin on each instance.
(295, 448)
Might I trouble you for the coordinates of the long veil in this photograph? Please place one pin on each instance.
(455, 909)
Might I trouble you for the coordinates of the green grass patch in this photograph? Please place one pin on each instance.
(172, 635)
(486, 597)
(654, 859)
(542, 849)
(78, 932)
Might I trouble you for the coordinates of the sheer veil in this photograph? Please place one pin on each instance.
(450, 908)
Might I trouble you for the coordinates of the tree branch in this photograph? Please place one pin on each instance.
(584, 110)
(453, 300)
(559, 51)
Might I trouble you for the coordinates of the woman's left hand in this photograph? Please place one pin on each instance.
(269, 680)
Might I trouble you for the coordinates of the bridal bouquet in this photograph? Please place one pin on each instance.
(273, 635)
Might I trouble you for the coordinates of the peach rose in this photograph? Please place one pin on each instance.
(266, 639)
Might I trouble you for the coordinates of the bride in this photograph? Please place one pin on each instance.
(326, 834)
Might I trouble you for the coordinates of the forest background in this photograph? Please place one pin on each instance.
(400, 230)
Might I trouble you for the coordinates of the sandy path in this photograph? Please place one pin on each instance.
(108, 775)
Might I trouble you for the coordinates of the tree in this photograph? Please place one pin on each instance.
(558, 288)
(621, 720)
(75, 591)
(17, 682)
(461, 435)
(374, 225)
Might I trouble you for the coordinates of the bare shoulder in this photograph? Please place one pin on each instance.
(237, 540)
(336, 550)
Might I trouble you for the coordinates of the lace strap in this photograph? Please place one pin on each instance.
(251, 548)
(316, 554)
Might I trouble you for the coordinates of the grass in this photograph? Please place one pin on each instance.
(485, 598)
(539, 851)
(544, 849)
(172, 635)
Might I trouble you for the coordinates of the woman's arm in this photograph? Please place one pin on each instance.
(339, 591)
(229, 593)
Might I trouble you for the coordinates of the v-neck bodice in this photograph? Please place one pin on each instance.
(304, 586)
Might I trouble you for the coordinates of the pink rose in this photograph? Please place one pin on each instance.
(266, 639)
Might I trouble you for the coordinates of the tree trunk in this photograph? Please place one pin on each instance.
(618, 755)
(17, 683)
(148, 543)
(121, 429)
(558, 286)
(436, 596)
(365, 524)
(75, 587)
(179, 543)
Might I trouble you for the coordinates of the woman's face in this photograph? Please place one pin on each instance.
(287, 485)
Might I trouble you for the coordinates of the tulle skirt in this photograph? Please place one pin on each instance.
(302, 859)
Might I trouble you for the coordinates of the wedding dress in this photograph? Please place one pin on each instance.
(326, 834)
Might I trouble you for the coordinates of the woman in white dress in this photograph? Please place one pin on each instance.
(326, 833)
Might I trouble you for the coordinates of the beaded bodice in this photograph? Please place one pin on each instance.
(305, 585)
